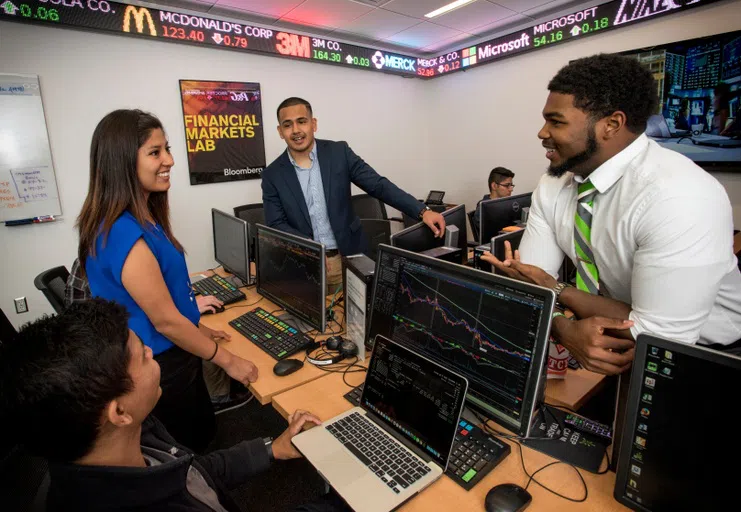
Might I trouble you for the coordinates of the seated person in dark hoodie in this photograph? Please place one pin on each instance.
(78, 389)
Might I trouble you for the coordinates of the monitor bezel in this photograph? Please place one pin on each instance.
(622, 470)
(535, 390)
(306, 242)
(246, 277)
(497, 200)
(462, 237)
(495, 240)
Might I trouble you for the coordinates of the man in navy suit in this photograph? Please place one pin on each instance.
(306, 190)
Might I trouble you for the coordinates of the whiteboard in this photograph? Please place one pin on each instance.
(28, 187)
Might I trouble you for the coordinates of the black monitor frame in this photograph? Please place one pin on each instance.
(695, 443)
(424, 239)
(494, 208)
(322, 294)
(534, 395)
(243, 274)
(497, 243)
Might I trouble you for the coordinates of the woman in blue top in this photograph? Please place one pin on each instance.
(131, 256)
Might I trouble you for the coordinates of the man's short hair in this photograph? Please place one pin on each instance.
(605, 83)
(292, 102)
(60, 373)
(499, 174)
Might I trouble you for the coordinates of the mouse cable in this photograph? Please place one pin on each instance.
(245, 305)
(531, 477)
(340, 367)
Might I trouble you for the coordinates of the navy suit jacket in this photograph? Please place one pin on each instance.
(285, 205)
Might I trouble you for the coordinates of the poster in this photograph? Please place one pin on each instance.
(223, 131)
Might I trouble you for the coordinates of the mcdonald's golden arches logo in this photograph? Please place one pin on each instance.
(139, 14)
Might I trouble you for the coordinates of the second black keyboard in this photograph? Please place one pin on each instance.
(219, 288)
(271, 334)
(475, 453)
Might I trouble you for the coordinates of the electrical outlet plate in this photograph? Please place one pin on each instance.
(21, 306)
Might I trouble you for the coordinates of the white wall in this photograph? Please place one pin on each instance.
(444, 134)
(85, 75)
(490, 116)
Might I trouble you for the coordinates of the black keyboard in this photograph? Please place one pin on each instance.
(475, 453)
(270, 333)
(219, 288)
(394, 464)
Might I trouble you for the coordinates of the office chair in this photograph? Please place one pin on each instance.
(378, 231)
(474, 226)
(368, 207)
(252, 213)
(52, 284)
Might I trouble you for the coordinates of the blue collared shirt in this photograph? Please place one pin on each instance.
(313, 188)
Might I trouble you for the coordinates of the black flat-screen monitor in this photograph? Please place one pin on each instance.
(490, 329)
(231, 244)
(7, 331)
(291, 272)
(420, 238)
(677, 449)
(497, 214)
(699, 87)
(498, 248)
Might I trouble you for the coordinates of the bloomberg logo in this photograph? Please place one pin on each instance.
(381, 60)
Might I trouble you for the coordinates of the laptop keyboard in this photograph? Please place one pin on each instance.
(393, 464)
(475, 453)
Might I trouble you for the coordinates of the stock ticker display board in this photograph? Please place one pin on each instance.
(147, 22)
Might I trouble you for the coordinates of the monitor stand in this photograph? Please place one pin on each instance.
(551, 436)
(236, 281)
(295, 322)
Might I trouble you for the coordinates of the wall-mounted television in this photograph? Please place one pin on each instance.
(698, 82)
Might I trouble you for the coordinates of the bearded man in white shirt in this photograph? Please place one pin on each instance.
(649, 231)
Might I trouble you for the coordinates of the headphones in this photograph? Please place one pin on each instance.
(346, 349)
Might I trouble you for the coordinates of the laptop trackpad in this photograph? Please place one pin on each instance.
(342, 468)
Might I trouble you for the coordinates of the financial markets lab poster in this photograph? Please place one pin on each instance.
(223, 131)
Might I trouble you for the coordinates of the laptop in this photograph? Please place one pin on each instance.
(381, 454)
(678, 449)
(719, 142)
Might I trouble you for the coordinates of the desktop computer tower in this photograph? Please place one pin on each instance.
(357, 280)
(477, 261)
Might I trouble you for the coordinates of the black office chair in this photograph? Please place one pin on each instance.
(378, 231)
(52, 284)
(368, 207)
(252, 213)
(474, 226)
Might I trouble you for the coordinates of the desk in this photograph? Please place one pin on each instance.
(324, 397)
(268, 384)
(575, 390)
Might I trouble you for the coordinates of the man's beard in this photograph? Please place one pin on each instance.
(578, 159)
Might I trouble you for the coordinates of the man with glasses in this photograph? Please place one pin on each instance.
(500, 185)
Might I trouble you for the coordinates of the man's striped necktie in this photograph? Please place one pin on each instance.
(587, 276)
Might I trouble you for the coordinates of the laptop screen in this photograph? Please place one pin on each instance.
(678, 448)
(419, 399)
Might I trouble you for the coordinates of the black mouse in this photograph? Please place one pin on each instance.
(507, 498)
(209, 312)
(287, 367)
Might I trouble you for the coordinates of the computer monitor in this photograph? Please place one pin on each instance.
(291, 272)
(498, 248)
(420, 238)
(7, 331)
(231, 244)
(490, 329)
(497, 214)
(678, 450)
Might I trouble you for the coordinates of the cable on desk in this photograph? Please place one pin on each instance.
(340, 367)
(531, 477)
(245, 305)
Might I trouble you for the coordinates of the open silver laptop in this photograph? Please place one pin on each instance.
(381, 454)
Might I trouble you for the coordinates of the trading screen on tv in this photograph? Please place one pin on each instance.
(698, 82)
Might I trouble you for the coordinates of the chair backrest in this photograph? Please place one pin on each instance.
(253, 214)
(368, 207)
(474, 225)
(378, 231)
(52, 284)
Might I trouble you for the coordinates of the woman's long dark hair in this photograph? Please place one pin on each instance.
(114, 184)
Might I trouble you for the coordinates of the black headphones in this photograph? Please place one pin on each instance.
(346, 349)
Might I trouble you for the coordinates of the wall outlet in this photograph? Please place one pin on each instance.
(21, 306)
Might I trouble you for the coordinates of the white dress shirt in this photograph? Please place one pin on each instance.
(662, 236)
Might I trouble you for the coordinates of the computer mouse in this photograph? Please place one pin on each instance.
(507, 498)
(287, 367)
(209, 312)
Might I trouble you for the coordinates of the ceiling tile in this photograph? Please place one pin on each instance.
(473, 15)
(423, 35)
(552, 7)
(416, 8)
(191, 5)
(502, 25)
(328, 13)
(302, 27)
(274, 8)
(446, 44)
(521, 5)
(379, 24)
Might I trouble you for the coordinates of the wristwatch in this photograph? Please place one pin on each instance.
(558, 289)
(269, 446)
(422, 212)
